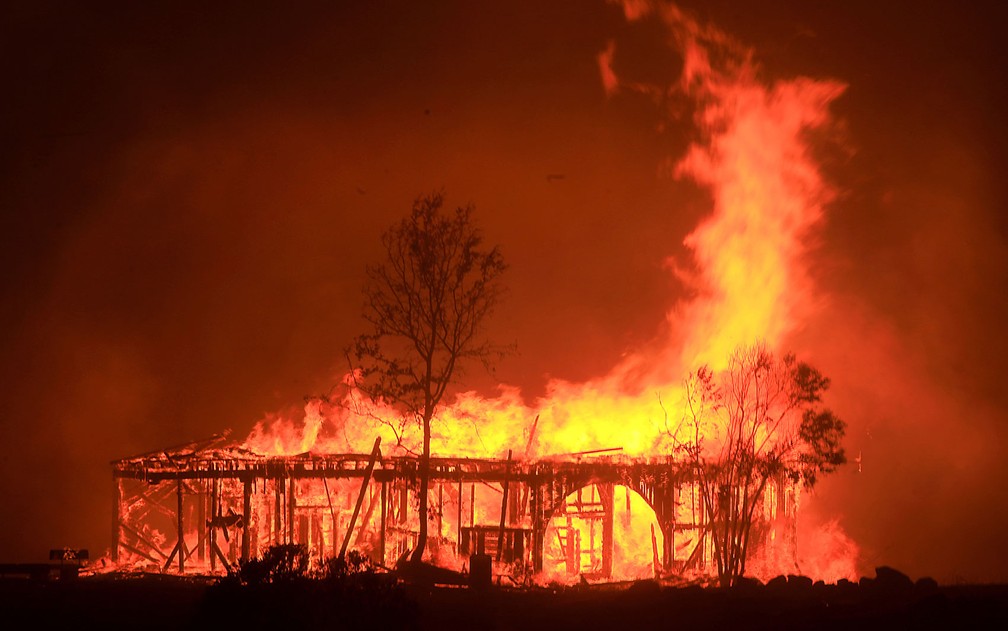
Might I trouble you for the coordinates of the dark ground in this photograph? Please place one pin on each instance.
(167, 602)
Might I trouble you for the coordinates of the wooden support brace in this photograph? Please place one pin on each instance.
(216, 551)
(136, 533)
(332, 512)
(375, 455)
(138, 552)
(366, 520)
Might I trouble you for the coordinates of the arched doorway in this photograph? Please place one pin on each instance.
(602, 531)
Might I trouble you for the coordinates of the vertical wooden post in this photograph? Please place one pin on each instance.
(503, 515)
(116, 519)
(214, 509)
(458, 522)
(246, 518)
(654, 554)
(606, 495)
(181, 532)
(201, 540)
(440, 509)
(384, 510)
(472, 505)
(538, 524)
(573, 563)
(277, 507)
(291, 505)
(669, 531)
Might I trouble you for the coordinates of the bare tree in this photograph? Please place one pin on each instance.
(427, 305)
(756, 421)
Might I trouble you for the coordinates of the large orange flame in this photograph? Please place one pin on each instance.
(748, 280)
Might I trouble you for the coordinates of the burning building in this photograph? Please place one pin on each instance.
(567, 505)
(206, 506)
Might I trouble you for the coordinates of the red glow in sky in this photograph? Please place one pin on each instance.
(190, 195)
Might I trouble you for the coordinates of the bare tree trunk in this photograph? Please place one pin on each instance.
(422, 497)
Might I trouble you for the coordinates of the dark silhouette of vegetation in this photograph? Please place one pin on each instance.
(281, 563)
(282, 588)
(757, 421)
(427, 305)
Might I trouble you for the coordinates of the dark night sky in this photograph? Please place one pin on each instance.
(189, 196)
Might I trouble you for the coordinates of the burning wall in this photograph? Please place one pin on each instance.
(205, 507)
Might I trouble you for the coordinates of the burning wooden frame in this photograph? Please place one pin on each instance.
(206, 506)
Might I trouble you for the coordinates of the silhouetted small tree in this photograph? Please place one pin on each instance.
(756, 421)
(426, 305)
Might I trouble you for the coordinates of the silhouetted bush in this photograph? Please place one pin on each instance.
(280, 563)
(281, 589)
